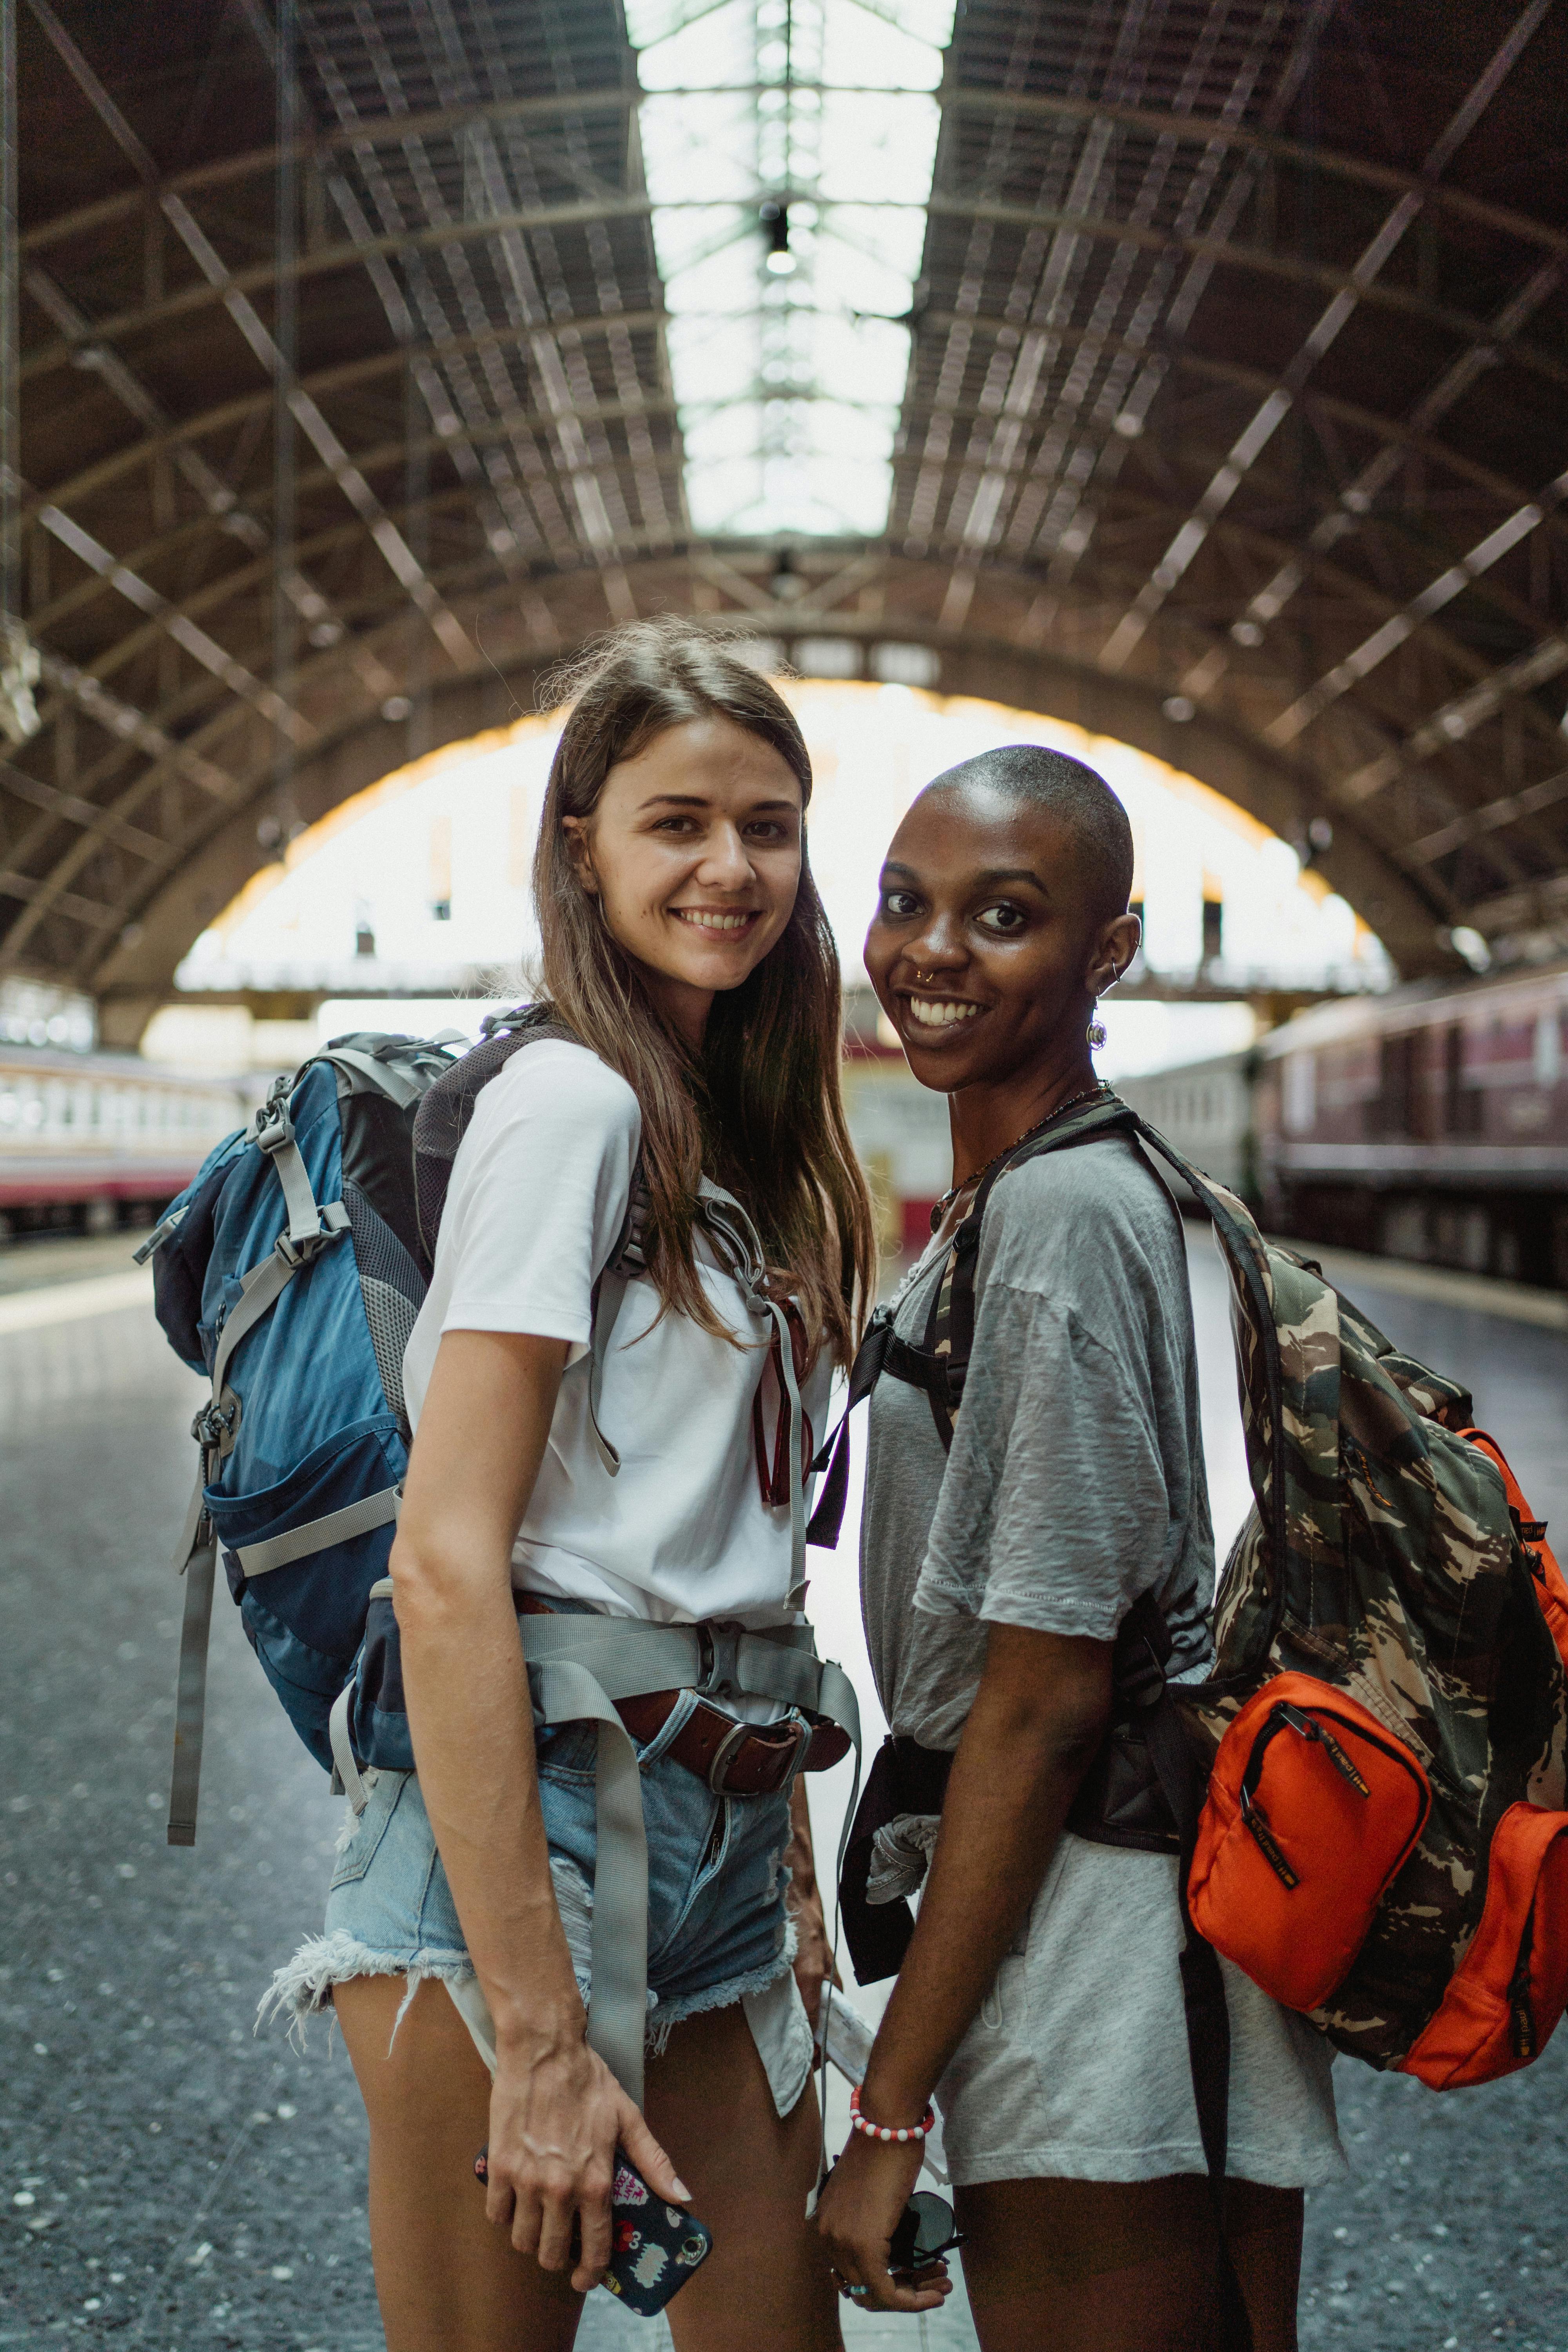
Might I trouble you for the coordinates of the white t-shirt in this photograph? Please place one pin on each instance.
(539, 1188)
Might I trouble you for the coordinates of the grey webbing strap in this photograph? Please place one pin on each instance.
(348, 1770)
(577, 1666)
(191, 1534)
(260, 1288)
(386, 1077)
(276, 1140)
(336, 1526)
(624, 1655)
(617, 1949)
(609, 1298)
(198, 1556)
(190, 1702)
(627, 1656)
(160, 1234)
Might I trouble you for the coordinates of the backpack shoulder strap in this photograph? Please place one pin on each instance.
(447, 1109)
(445, 1114)
(938, 1372)
(1079, 1127)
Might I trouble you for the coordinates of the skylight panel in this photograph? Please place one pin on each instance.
(788, 148)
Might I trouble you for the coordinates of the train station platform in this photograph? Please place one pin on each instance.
(174, 2179)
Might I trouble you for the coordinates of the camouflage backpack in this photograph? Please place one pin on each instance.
(1389, 1605)
(1379, 1751)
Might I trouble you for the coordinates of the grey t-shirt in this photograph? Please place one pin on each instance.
(1075, 1479)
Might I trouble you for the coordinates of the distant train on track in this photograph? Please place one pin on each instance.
(1429, 1124)
(100, 1139)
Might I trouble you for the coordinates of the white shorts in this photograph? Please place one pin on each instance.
(1076, 2066)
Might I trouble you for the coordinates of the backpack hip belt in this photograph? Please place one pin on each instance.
(579, 1670)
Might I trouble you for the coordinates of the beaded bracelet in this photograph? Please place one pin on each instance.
(888, 2131)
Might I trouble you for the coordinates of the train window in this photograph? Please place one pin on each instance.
(1395, 1105)
(1548, 1050)
(1300, 1092)
(1463, 1102)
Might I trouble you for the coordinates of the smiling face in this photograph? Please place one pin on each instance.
(986, 950)
(693, 850)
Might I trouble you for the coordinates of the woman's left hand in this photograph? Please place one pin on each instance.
(856, 2214)
(813, 1953)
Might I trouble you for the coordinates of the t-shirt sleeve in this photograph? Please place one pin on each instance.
(540, 1190)
(1054, 1512)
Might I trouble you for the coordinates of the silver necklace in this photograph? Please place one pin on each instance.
(949, 1197)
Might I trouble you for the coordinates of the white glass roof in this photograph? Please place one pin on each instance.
(789, 379)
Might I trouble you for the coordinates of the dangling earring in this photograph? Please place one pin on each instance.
(1095, 1034)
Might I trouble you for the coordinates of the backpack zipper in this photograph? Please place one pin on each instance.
(1283, 1716)
(1309, 1728)
(1257, 1820)
(1519, 2010)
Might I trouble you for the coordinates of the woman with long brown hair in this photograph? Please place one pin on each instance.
(687, 1082)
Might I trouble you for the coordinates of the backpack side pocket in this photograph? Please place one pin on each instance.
(1313, 1808)
(1506, 1995)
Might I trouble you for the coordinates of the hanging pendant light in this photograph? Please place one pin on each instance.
(775, 218)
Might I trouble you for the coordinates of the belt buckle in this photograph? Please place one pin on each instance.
(736, 1737)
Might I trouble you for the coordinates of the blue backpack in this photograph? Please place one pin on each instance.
(290, 1271)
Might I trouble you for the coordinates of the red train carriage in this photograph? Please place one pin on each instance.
(101, 1139)
(1431, 1124)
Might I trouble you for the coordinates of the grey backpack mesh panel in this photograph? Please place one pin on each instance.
(391, 1288)
(391, 1319)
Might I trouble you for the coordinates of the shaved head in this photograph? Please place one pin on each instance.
(1082, 802)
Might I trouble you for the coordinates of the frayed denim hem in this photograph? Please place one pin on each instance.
(671, 2014)
(302, 1988)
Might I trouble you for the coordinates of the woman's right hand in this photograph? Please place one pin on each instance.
(557, 2116)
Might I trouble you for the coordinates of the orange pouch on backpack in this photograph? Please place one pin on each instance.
(1313, 1807)
(1506, 1994)
(1551, 1589)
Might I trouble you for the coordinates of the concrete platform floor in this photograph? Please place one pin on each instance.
(168, 2178)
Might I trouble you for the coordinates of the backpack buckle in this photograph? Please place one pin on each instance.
(274, 1128)
(334, 1220)
(216, 1425)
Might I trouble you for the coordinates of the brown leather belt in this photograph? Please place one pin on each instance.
(735, 1759)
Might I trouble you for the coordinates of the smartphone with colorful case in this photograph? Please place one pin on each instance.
(654, 2247)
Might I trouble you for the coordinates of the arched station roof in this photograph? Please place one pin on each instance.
(1232, 425)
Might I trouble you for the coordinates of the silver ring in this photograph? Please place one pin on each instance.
(857, 2294)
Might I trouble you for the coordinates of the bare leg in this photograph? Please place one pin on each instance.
(750, 2173)
(1126, 2267)
(1263, 2231)
(447, 2280)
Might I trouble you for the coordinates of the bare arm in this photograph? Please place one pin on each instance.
(556, 2112)
(1037, 1718)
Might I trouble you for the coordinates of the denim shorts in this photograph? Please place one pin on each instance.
(717, 1931)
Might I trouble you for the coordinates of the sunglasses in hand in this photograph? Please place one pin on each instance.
(925, 2232)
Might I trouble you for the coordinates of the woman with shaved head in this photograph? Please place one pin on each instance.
(1006, 1540)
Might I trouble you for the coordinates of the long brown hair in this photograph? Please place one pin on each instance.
(759, 1107)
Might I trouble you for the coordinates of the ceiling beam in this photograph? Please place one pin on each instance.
(1361, 285)
(327, 260)
(371, 131)
(1211, 131)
